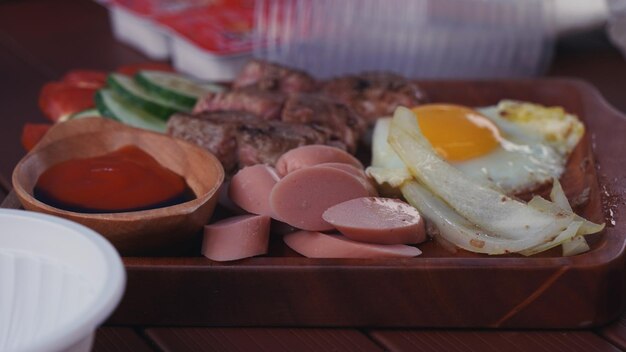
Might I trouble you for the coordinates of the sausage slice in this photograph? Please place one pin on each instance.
(321, 245)
(377, 220)
(236, 238)
(251, 186)
(300, 198)
(310, 155)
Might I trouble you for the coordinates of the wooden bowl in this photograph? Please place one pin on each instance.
(162, 231)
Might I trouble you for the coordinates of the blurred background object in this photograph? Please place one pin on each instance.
(212, 39)
(416, 38)
(576, 16)
(617, 23)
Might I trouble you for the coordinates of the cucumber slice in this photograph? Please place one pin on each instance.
(85, 113)
(174, 87)
(111, 105)
(135, 94)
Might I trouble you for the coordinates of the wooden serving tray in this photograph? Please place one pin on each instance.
(437, 289)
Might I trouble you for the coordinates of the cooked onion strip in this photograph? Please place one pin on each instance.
(456, 229)
(578, 244)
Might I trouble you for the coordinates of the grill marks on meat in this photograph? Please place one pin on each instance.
(240, 139)
(336, 121)
(342, 127)
(264, 143)
(374, 94)
(272, 77)
(215, 132)
(264, 104)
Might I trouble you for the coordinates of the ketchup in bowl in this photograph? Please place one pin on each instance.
(127, 179)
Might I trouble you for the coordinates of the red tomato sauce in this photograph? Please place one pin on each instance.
(127, 179)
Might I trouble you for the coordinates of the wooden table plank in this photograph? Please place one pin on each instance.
(77, 36)
(490, 341)
(591, 56)
(616, 332)
(110, 339)
(260, 339)
(19, 88)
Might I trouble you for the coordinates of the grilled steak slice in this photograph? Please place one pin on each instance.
(265, 141)
(214, 131)
(334, 119)
(264, 104)
(273, 77)
(240, 139)
(374, 94)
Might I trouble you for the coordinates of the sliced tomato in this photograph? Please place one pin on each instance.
(85, 78)
(58, 100)
(131, 69)
(32, 134)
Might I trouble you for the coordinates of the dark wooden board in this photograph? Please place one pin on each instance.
(118, 339)
(491, 341)
(436, 290)
(261, 339)
(616, 332)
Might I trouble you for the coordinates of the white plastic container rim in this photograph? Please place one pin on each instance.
(104, 302)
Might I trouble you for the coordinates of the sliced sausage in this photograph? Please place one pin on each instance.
(280, 228)
(377, 220)
(236, 238)
(300, 198)
(224, 200)
(251, 186)
(356, 172)
(321, 245)
(310, 155)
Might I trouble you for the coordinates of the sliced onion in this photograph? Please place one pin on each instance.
(557, 195)
(587, 227)
(458, 230)
(578, 244)
(565, 235)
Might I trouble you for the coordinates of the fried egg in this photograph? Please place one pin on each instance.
(516, 146)
(478, 216)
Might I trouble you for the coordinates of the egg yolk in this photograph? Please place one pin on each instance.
(456, 132)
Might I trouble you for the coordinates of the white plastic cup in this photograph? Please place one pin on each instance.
(58, 282)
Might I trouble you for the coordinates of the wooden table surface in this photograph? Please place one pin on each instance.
(40, 40)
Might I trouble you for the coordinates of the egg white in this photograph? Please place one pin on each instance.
(521, 162)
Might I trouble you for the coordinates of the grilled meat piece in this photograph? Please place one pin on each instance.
(213, 131)
(334, 119)
(374, 94)
(240, 139)
(265, 141)
(264, 104)
(273, 77)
